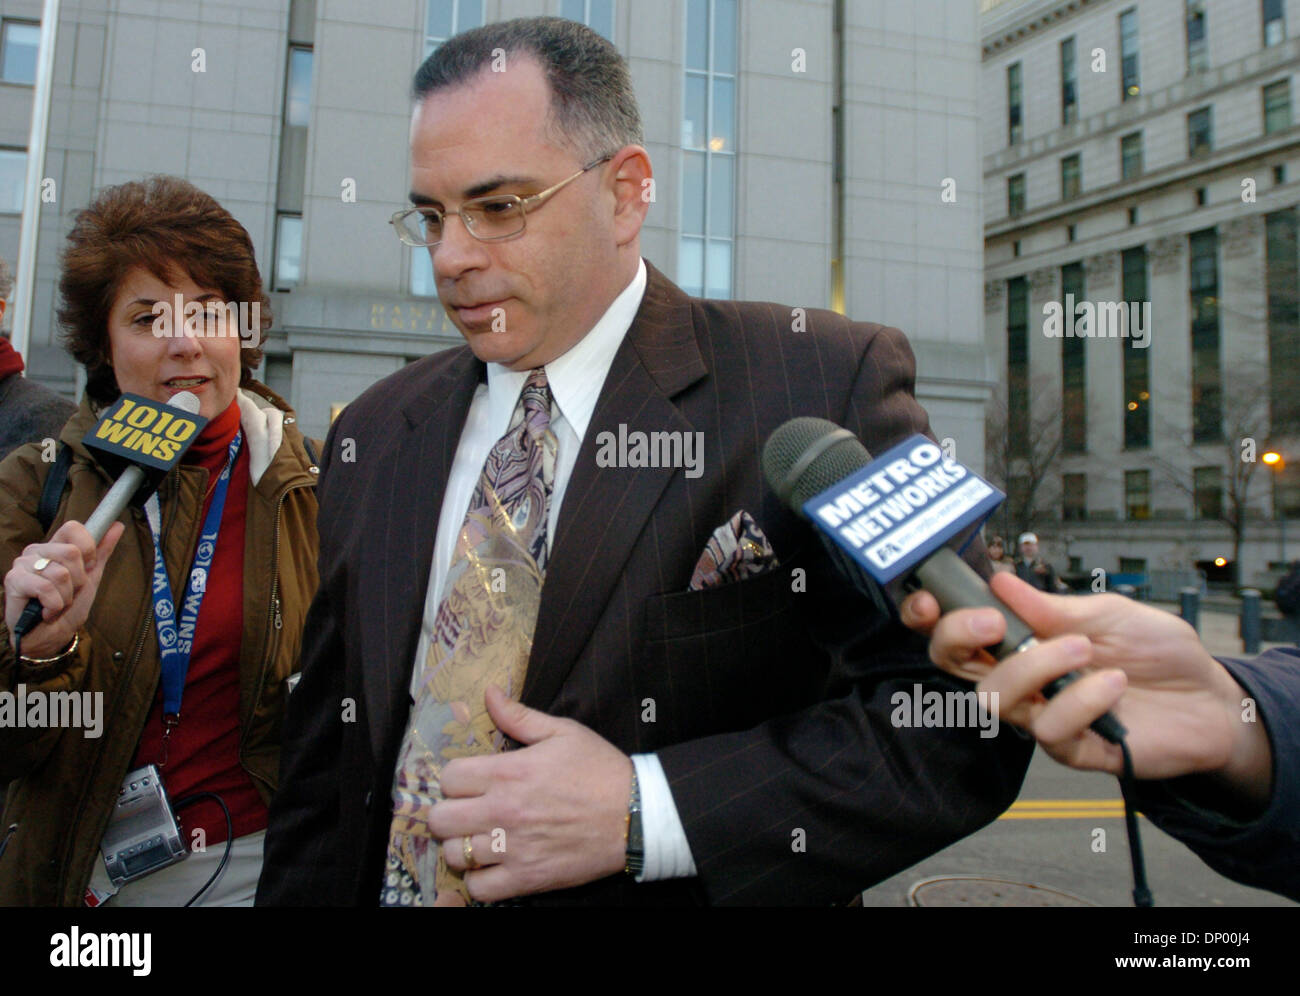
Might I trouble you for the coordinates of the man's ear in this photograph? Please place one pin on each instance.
(634, 189)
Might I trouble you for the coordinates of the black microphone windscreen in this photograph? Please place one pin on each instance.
(805, 456)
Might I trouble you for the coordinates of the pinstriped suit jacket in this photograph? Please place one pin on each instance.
(771, 705)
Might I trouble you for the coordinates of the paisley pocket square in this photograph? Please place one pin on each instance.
(738, 549)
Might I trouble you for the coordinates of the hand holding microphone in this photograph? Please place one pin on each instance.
(62, 577)
(1183, 710)
(887, 523)
(51, 587)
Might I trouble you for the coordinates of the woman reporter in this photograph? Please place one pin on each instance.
(247, 485)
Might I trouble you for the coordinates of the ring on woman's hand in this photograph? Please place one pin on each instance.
(41, 564)
(467, 849)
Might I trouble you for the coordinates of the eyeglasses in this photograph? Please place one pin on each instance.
(488, 219)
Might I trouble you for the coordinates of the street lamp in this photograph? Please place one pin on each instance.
(1273, 460)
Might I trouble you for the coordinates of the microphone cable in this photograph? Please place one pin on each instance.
(1127, 788)
(189, 800)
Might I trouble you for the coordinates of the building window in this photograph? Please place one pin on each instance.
(1137, 494)
(1197, 54)
(595, 14)
(1207, 492)
(445, 18)
(1282, 270)
(13, 175)
(1071, 180)
(1200, 197)
(292, 176)
(19, 42)
(1070, 233)
(1015, 248)
(1274, 22)
(1074, 497)
(297, 93)
(1200, 133)
(705, 247)
(1069, 84)
(1207, 418)
(1018, 366)
(1137, 370)
(1279, 174)
(422, 280)
(1132, 565)
(1016, 195)
(1074, 382)
(1130, 156)
(1128, 51)
(1277, 106)
(1013, 104)
(1133, 215)
(288, 251)
(1286, 492)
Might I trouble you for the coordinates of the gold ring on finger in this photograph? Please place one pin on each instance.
(467, 849)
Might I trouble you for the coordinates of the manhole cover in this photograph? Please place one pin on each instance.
(958, 890)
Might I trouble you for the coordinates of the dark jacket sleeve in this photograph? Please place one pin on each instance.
(813, 807)
(1263, 852)
(304, 815)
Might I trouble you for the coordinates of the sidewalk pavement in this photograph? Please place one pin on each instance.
(1219, 631)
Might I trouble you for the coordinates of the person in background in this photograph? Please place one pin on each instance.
(998, 556)
(29, 412)
(246, 488)
(1033, 569)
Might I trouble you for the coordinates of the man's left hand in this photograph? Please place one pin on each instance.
(548, 816)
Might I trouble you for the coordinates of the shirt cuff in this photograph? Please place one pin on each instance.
(667, 853)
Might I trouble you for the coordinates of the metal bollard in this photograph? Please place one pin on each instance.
(1250, 620)
(1189, 606)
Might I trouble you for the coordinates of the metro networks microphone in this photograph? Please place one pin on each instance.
(140, 441)
(888, 523)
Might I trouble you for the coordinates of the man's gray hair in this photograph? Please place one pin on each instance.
(6, 280)
(593, 107)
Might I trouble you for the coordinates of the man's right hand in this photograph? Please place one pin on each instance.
(1183, 710)
(66, 586)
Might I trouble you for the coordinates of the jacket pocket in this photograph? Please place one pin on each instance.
(725, 658)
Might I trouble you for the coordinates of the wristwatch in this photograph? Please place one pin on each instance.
(635, 851)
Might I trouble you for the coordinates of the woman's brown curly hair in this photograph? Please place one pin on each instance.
(168, 226)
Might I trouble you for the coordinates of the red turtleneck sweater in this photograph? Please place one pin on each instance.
(203, 753)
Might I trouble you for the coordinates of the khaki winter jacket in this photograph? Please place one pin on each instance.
(63, 785)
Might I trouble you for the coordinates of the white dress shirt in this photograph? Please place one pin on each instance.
(575, 380)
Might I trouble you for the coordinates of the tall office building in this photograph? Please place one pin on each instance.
(817, 152)
(1140, 161)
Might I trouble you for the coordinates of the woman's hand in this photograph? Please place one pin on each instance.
(66, 584)
(1183, 710)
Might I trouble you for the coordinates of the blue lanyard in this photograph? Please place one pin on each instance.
(175, 645)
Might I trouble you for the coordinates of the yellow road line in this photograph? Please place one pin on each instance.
(1064, 809)
(1065, 803)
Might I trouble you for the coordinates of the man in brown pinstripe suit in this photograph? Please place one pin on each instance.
(753, 706)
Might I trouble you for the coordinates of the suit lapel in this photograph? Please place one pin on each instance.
(406, 527)
(606, 508)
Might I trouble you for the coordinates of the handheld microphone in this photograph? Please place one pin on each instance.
(145, 439)
(887, 524)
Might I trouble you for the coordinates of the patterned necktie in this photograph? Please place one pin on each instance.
(483, 634)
